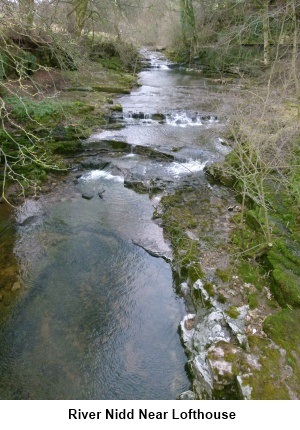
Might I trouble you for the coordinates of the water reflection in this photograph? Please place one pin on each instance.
(100, 318)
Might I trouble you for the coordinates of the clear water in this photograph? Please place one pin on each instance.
(98, 316)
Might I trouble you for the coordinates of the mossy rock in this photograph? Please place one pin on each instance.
(252, 219)
(217, 172)
(283, 329)
(285, 256)
(66, 147)
(251, 272)
(116, 108)
(158, 117)
(285, 274)
(286, 286)
(111, 89)
(268, 381)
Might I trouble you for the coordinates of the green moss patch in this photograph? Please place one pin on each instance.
(283, 329)
(267, 381)
(233, 312)
(177, 218)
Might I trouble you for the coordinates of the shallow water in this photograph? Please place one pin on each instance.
(98, 316)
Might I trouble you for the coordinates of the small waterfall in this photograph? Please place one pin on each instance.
(184, 119)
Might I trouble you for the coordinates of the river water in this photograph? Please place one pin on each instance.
(97, 316)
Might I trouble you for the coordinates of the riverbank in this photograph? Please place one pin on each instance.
(238, 265)
(51, 111)
(241, 344)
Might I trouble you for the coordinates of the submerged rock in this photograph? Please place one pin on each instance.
(30, 220)
(87, 196)
(94, 163)
(155, 249)
(136, 182)
(187, 395)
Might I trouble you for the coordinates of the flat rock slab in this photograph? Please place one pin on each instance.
(87, 196)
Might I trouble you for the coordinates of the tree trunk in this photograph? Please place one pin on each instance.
(188, 23)
(266, 33)
(295, 49)
(80, 8)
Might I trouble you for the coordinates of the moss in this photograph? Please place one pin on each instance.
(111, 63)
(217, 172)
(66, 147)
(286, 287)
(195, 272)
(116, 108)
(251, 272)
(253, 300)
(267, 382)
(233, 312)
(224, 274)
(221, 298)
(111, 89)
(283, 329)
(113, 54)
(280, 255)
(209, 288)
(177, 218)
(252, 219)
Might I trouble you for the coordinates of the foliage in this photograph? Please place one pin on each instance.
(22, 108)
(113, 53)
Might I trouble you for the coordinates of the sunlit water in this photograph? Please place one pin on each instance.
(98, 317)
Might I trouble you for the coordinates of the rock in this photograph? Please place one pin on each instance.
(221, 368)
(30, 220)
(158, 117)
(150, 152)
(244, 389)
(203, 384)
(117, 107)
(189, 323)
(191, 235)
(100, 193)
(87, 196)
(237, 324)
(1, 297)
(112, 126)
(184, 288)
(187, 395)
(155, 250)
(187, 330)
(94, 163)
(136, 183)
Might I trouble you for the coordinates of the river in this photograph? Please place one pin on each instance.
(97, 315)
